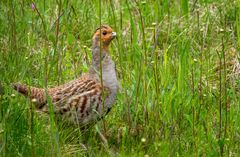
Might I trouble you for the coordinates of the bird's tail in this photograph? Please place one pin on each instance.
(35, 94)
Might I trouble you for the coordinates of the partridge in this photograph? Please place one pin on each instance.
(88, 97)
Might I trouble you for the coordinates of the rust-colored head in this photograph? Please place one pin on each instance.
(107, 35)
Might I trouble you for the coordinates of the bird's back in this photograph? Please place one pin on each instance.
(78, 101)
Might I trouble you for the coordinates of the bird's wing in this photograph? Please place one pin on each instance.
(80, 100)
(75, 92)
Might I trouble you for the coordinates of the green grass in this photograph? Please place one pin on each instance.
(177, 62)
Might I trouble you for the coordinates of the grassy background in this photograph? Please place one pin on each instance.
(177, 61)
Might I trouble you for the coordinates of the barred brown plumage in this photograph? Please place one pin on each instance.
(84, 99)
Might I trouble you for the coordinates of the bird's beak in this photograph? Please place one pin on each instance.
(114, 34)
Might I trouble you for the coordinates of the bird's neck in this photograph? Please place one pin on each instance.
(108, 65)
(109, 75)
(98, 55)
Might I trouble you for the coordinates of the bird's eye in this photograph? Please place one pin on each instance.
(104, 33)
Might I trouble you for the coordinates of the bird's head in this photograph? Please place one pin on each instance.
(104, 34)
